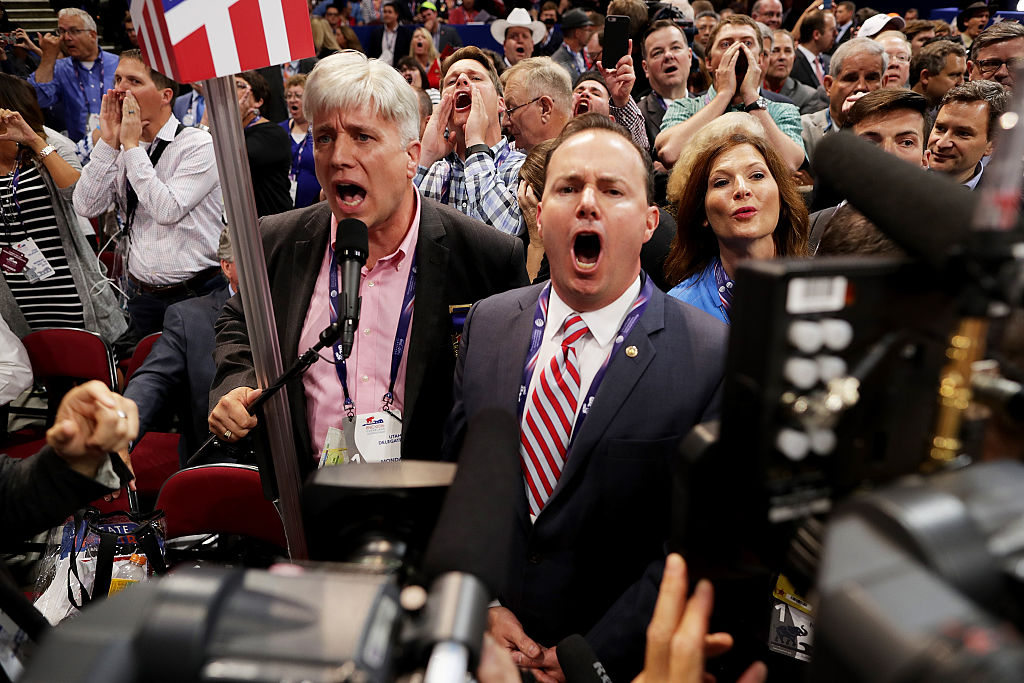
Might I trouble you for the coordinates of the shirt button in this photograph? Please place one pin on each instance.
(366, 331)
(534, 558)
(370, 284)
(365, 378)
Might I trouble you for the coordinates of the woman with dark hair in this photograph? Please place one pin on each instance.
(267, 145)
(416, 76)
(735, 200)
(51, 278)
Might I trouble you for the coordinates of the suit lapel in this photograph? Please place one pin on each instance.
(619, 381)
(431, 266)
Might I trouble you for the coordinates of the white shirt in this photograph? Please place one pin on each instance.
(15, 369)
(178, 220)
(594, 347)
(813, 59)
(388, 39)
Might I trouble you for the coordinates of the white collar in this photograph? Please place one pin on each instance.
(168, 130)
(811, 57)
(604, 323)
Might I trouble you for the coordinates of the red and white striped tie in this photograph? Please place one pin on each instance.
(549, 416)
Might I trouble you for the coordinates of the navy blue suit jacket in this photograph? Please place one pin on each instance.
(180, 369)
(592, 561)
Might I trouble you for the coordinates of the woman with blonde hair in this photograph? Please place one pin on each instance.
(423, 51)
(735, 199)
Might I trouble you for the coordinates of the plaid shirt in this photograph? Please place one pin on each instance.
(632, 119)
(481, 187)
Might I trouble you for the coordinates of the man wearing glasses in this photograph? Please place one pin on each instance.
(996, 52)
(75, 84)
(538, 101)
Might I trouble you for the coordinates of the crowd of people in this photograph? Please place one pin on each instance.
(594, 215)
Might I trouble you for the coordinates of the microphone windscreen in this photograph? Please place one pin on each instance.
(925, 213)
(578, 661)
(353, 236)
(477, 523)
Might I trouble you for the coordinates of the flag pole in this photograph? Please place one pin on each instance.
(254, 288)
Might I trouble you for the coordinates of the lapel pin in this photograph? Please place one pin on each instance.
(631, 351)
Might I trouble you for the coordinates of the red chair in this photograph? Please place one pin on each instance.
(223, 499)
(61, 357)
(154, 459)
(129, 366)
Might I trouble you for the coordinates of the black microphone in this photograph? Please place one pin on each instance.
(925, 213)
(351, 249)
(578, 661)
(469, 551)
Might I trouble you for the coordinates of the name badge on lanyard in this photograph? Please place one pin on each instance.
(376, 436)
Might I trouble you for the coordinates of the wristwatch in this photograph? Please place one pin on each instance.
(759, 103)
(46, 151)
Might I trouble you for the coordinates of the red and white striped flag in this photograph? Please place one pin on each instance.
(192, 40)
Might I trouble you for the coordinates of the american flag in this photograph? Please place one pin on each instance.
(192, 40)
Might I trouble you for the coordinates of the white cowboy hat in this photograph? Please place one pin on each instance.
(518, 17)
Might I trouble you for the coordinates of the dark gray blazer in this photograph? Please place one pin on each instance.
(608, 518)
(460, 261)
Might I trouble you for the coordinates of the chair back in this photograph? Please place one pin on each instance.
(139, 355)
(220, 499)
(62, 357)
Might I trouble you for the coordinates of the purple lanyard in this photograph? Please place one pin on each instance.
(14, 187)
(401, 336)
(81, 86)
(537, 335)
(253, 122)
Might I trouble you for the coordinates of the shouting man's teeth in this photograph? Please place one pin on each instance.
(351, 195)
(587, 249)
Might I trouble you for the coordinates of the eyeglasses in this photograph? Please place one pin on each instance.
(902, 59)
(990, 66)
(73, 32)
(508, 112)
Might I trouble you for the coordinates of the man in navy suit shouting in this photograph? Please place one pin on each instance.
(607, 375)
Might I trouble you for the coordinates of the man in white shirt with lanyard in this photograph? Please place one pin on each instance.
(607, 375)
(168, 196)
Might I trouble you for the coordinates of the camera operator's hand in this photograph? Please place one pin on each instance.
(750, 88)
(92, 422)
(677, 639)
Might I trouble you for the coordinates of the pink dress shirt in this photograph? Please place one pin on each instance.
(369, 366)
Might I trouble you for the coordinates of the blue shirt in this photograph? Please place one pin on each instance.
(78, 91)
(701, 291)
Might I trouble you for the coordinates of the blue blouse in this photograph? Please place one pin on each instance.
(303, 169)
(701, 290)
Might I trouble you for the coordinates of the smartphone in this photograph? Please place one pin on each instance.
(741, 67)
(616, 40)
(827, 4)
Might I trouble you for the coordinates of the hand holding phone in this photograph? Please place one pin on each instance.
(616, 40)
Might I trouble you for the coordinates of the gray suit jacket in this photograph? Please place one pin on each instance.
(460, 260)
(599, 540)
(814, 126)
(563, 58)
(808, 99)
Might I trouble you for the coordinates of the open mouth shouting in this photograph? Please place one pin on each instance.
(521, 50)
(350, 195)
(463, 100)
(582, 107)
(670, 69)
(586, 250)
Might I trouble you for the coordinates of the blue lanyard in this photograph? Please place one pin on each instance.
(196, 104)
(14, 187)
(253, 122)
(299, 148)
(537, 336)
(401, 337)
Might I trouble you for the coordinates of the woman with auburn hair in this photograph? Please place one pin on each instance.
(735, 200)
(423, 51)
